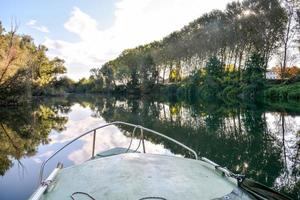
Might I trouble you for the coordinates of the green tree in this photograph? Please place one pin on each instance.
(97, 80)
(253, 75)
(213, 77)
(148, 73)
(25, 70)
(1, 28)
(214, 67)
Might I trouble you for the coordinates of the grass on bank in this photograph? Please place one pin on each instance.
(284, 92)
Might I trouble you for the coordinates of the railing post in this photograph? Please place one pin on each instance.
(94, 141)
(143, 143)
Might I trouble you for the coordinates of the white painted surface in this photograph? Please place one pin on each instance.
(134, 176)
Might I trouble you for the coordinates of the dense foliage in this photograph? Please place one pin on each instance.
(284, 92)
(25, 70)
(222, 53)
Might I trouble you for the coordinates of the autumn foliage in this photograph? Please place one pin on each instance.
(288, 72)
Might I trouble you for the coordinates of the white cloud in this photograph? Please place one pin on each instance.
(42, 29)
(33, 24)
(136, 22)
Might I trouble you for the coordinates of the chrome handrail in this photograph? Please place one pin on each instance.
(109, 124)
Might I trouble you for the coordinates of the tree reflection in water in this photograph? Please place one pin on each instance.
(259, 141)
(23, 129)
(240, 137)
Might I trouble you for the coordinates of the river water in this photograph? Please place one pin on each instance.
(258, 140)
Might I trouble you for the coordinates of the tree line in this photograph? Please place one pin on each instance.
(225, 40)
(222, 53)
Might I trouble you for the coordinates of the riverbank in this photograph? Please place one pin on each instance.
(273, 94)
(270, 93)
(283, 92)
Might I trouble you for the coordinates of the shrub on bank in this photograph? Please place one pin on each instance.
(283, 92)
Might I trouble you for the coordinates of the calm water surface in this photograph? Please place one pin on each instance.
(259, 141)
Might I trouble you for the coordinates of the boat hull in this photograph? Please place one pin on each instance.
(136, 176)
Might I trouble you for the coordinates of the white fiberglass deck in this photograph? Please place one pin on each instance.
(134, 176)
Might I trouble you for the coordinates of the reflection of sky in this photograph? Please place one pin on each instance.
(80, 121)
(25, 179)
(288, 142)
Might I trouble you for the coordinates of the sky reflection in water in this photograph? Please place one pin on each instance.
(253, 142)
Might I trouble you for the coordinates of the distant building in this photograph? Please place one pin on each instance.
(272, 75)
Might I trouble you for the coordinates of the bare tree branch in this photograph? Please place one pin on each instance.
(11, 54)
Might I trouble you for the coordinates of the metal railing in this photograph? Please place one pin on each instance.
(44, 184)
(94, 131)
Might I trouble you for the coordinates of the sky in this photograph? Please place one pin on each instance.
(88, 33)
